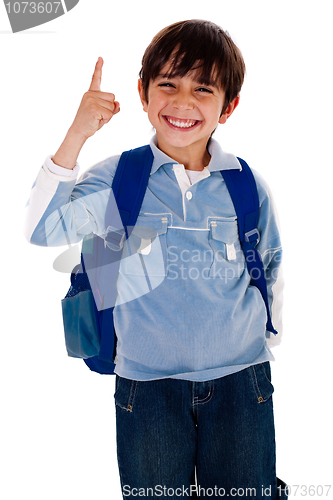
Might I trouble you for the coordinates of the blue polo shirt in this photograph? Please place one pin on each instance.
(185, 307)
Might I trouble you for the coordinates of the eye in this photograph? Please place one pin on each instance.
(166, 84)
(204, 89)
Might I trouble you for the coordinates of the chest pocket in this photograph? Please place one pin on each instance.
(145, 252)
(228, 257)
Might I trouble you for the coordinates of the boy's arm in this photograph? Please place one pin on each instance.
(270, 250)
(59, 212)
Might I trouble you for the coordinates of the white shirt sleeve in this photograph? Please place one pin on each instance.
(56, 169)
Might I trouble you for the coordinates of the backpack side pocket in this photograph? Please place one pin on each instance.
(81, 333)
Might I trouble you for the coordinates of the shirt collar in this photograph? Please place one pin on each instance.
(219, 159)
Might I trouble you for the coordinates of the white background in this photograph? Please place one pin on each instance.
(57, 434)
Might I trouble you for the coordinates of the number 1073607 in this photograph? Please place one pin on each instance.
(32, 7)
(321, 490)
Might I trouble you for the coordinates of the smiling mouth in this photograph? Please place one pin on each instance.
(179, 123)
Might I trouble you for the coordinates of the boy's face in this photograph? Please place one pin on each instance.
(184, 112)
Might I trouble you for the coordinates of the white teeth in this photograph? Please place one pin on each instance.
(187, 124)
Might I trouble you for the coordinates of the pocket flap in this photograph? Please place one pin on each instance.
(149, 226)
(226, 231)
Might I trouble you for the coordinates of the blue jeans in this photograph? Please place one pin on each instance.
(183, 439)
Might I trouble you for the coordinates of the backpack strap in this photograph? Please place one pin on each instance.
(129, 187)
(244, 195)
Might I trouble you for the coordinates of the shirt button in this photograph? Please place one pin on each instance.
(189, 195)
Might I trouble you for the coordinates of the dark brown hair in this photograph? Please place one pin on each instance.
(195, 45)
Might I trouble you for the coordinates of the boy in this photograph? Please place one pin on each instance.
(193, 390)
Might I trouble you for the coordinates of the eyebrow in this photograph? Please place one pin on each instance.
(198, 81)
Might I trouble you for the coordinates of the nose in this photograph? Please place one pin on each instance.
(183, 100)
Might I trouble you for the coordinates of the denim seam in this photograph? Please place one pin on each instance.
(132, 395)
(256, 385)
(196, 399)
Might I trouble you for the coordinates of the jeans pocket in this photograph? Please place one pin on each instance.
(261, 380)
(125, 392)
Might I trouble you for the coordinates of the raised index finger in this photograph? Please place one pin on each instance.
(97, 76)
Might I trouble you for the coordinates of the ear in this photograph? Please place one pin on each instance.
(142, 96)
(230, 109)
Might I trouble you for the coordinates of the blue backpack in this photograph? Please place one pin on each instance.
(88, 306)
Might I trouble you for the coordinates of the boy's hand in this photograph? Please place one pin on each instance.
(96, 108)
